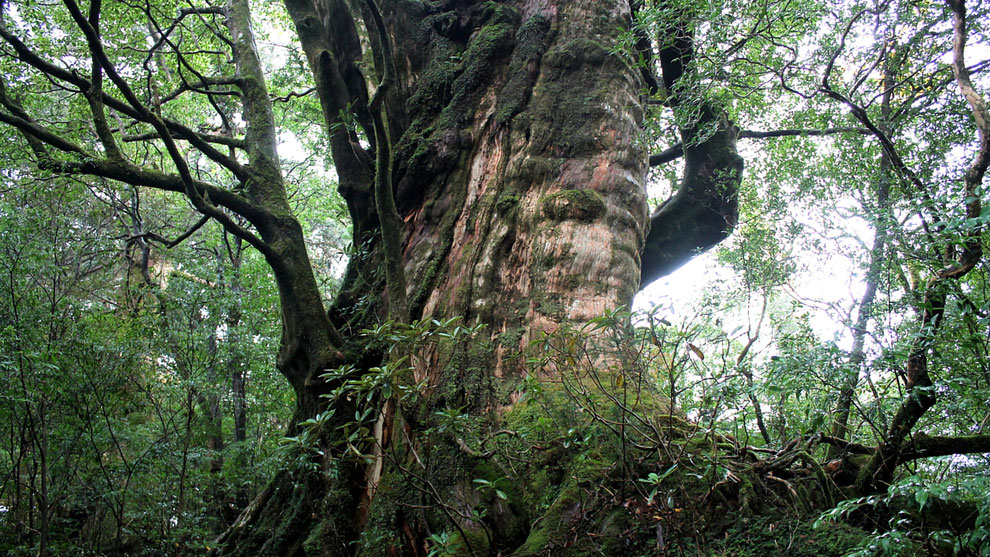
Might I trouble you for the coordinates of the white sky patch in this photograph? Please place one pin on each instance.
(290, 148)
(682, 289)
(827, 287)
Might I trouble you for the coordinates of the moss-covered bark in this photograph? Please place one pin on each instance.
(519, 185)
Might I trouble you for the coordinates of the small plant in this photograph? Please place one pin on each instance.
(441, 545)
(485, 486)
(654, 482)
(914, 501)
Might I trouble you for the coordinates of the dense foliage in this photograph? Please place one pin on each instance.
(141, 409)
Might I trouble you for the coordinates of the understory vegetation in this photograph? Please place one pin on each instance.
(655, 448)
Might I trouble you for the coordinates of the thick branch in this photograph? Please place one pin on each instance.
(117, 170)
(169, 244)
(331, 46)
(388, 214)
(40, 134)
(705, 209)
(748, 134)
(260, 134)
(294, 94)
(923, 446)
(208, 137)
(309, 340)
(974, 175)
(94, 95)
(669, 154)
(17, 111)
(328, 44)
(847, 446)
(139, 176)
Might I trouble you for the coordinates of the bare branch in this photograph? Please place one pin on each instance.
(294, 94)
(208, 137)
(169, 244)
(676, 150)
(175, 129)
(202, 86)
(748, 134)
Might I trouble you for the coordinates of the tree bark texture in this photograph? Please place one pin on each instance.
(519, 182)
(517, 172)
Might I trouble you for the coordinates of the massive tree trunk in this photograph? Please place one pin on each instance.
(520, 184)
(491, 158)
(509, 135)
(516, 166)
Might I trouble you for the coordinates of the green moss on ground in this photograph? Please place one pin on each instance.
(776, 533)
(586, 498)
(560, 472)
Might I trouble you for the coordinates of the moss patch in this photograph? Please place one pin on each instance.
(582, 205)
(506, 203)
(779, 534)
(531, 43)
